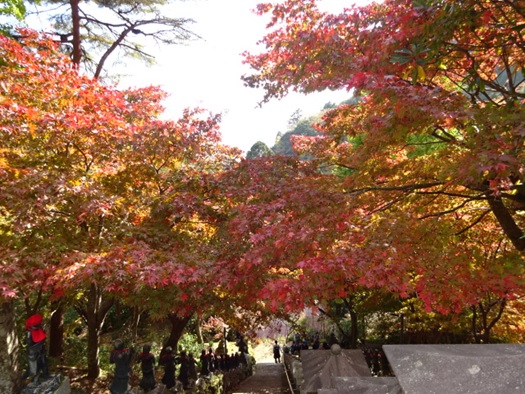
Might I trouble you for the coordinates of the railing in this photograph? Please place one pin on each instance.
(291, 384)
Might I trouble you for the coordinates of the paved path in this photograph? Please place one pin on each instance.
(269, 378)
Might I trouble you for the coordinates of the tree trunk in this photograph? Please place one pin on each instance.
(178, 324)
(93, 349)
(486, 324)
(198, 330)
(8, 350)
(94, 312)
(507, 223)
(353, 329)
(482, 335)
(134, 324)
(56, 332)
(75, 16)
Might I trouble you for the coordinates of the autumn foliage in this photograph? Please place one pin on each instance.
(100, 198)
(430, 157)
(88, 171)
(415, 189)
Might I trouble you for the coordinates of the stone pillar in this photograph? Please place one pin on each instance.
(8, 349)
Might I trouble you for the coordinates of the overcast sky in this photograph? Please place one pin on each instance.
(207, 73)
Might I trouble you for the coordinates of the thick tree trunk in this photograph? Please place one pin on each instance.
(178, 324)
(8, 350)
(93, 349)
(56, 333)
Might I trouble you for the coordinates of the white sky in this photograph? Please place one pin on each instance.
(207, 73)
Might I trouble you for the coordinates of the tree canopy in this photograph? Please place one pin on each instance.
(98, 191)
(430, 155)
(411, 193)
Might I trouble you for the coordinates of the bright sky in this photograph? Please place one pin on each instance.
(207, 73)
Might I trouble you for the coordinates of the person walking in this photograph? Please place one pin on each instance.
(276, 352)
(205, 367)
(192, 369)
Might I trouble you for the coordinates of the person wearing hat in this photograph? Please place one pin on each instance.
(36, 349)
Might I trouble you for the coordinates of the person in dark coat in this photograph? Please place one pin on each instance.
(121, 357)
(167, 360)
(276, 352)
(147, 365)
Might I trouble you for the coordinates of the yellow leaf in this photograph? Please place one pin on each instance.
(32, 129)
(420, 73)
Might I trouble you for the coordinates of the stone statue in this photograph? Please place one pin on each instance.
(147, 365)
(184, 370)
(167, 360)
(121, 357)
(36, 349)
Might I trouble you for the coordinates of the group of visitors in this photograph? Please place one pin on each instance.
(210, 362)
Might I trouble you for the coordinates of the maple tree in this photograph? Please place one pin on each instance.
(429, 155)
(101, 198)
(457, 87)
(306, 242)
(280, 213)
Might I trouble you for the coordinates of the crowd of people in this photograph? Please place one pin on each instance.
(210, 362)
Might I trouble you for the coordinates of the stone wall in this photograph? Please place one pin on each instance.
(9, 348)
